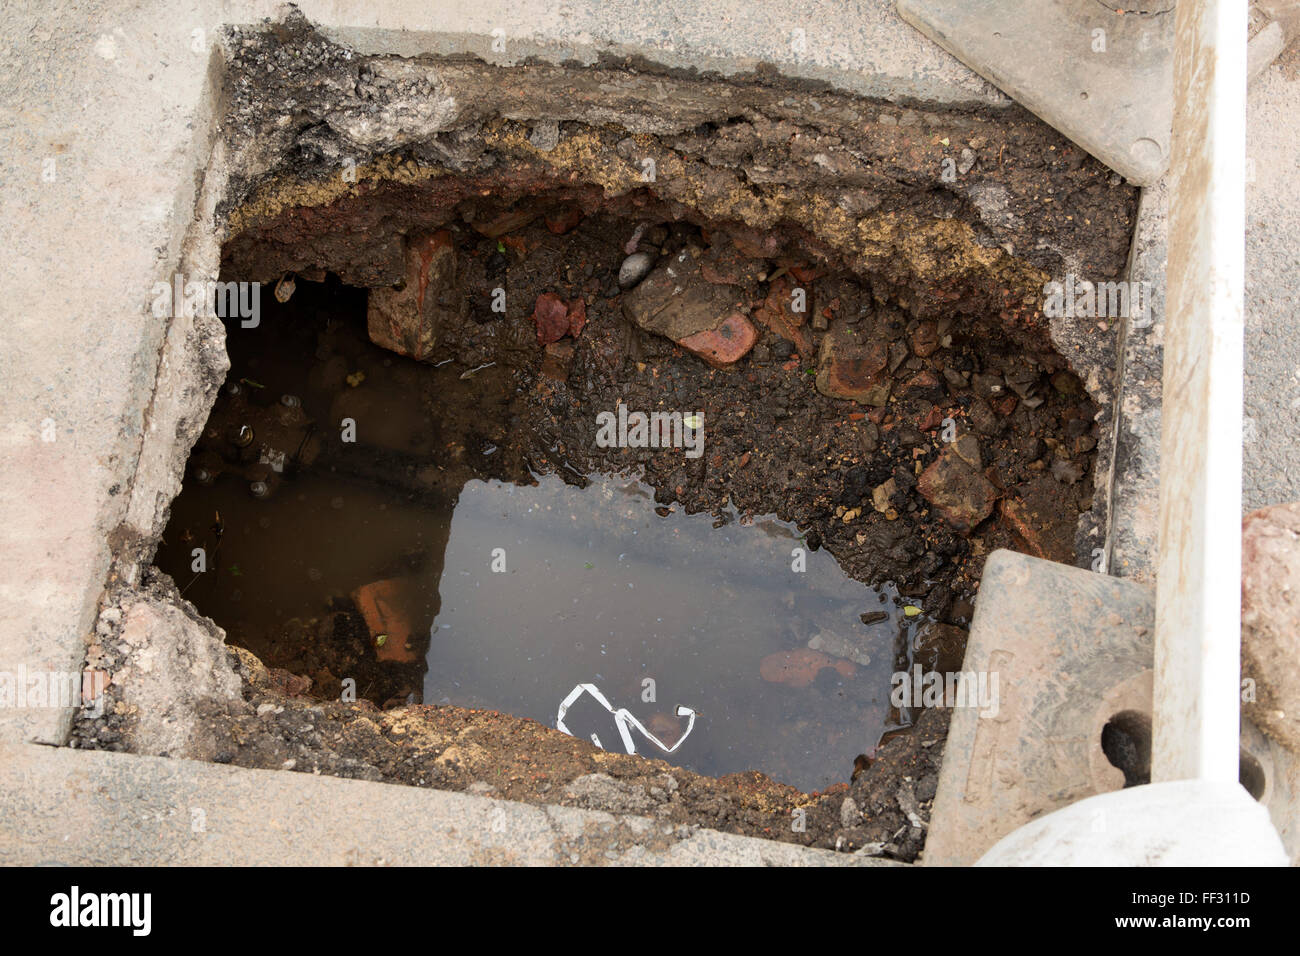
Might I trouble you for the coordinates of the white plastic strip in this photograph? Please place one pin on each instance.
(623, 719)
(1198, 599)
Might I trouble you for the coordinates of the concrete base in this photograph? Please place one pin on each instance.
(1071, 649)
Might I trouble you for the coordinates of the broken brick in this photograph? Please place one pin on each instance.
(387, 607)
(556, 318)
(851, 368)
(800, 667)
(724, 345)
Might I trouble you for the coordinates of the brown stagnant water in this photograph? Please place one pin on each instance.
(654, 607)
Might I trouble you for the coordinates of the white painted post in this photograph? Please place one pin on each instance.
(1198, 595)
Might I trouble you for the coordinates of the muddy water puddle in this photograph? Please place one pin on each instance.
(664, 617)
(423, 559)
(693, 643)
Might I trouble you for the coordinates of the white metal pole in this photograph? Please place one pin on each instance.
(1198, 599)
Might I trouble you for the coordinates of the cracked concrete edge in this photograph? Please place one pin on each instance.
(72, 406)
(859, 47)
(192, 360)
(1134, 480)
(95, 808)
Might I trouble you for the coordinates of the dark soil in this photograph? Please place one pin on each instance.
(496, 754)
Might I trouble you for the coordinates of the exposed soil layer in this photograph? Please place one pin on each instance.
(912, 417)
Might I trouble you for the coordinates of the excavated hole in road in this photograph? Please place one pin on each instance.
(461, 530)
(850, 329)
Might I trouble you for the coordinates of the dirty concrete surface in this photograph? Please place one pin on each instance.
(1271, 454)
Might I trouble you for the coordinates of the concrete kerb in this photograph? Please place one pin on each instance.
(83, 808)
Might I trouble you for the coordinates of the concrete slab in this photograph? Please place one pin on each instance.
(1040, 747)
(1102, 78)
(1100, 73)
(107, 117)
(94, 808)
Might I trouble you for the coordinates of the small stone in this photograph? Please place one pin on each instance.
(545, 136)
(962, 495)
(1006, 405)
(967, 161)
(925, 339)
(924, 385)
(988, 387)
(557, 360)
(850, 815)
(882, 493)
(634, 268)
(967, 448)
(554, 318)
(1067, 472)
(779, 315)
